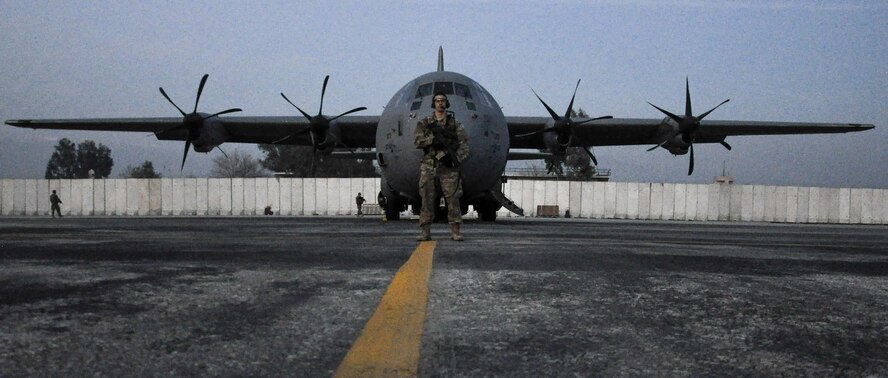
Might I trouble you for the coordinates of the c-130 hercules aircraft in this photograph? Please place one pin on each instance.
(491, 135)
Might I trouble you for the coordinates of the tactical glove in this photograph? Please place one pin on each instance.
(450, 161)
(438, 138)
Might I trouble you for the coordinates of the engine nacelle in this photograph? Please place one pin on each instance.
(325, 141)
(209, 136)
(556, 144)
(678, 145)
(677, 150)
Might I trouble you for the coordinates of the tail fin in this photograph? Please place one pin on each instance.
(440, 58)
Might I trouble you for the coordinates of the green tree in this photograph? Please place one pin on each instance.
(302, 161)
(63, 162)
(238, 164)
(146, 170)
(578, 164)
(93, 157)
(70, 162)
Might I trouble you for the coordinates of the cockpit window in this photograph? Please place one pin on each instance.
(483, 94)
(444, 86)
(424, 90)
(462, 90)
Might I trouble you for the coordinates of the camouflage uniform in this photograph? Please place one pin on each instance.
(55, 201)
(360, 202)
(433, 168)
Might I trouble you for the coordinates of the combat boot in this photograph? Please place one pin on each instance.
(454, 232)
(425, 233)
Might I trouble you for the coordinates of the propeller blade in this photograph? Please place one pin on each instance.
(282, 139)
(691, 164)
(592, 119)
(300, 132)
(529, 134)
(297, 108)
(586, 148)
(323, 90)
(340, 142)
(171, 101)
(676, 132)
(570, 106)
(349, 112)
(588, 151)
(234, 110)
(203, 81)
(700, 118)
(187, 147)
(546, 130)
(223, 152)
(554, 115)
(688, 112)
(670, 115)
(319, 124)
(728, 146)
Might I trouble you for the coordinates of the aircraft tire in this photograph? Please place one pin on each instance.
(487, 210)
(392, 207)
(441, 214)
(487, 214)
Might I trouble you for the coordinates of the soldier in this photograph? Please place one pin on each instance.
(55, 201)
(445, 145)
(359, 200)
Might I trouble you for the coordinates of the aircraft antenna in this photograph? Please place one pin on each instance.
(440, 58)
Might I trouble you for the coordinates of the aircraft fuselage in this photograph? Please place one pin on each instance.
(471, 105)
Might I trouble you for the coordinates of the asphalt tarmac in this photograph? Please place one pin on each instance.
(273, 296)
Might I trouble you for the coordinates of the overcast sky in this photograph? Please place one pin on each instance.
(819, 61)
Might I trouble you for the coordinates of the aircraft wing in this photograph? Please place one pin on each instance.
(100, 124)
(356, 131)
(627, 131)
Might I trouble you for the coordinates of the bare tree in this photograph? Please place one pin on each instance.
(237, 164)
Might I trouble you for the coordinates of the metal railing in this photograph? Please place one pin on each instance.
(538, 174)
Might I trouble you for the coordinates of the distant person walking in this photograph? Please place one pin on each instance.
(359, 200)
(54, 200)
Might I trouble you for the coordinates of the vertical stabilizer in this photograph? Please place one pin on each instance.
(440, 58)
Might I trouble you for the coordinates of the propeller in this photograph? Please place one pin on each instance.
(318, 125)
(687, 126)
(193, 121)
(564, 126)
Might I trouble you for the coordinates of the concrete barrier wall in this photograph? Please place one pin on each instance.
(705, 202)
(335, 196)
(188, 196)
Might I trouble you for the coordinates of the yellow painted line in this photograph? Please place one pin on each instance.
(389, 344)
